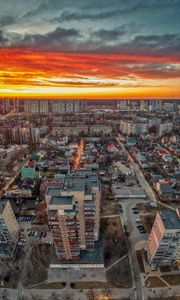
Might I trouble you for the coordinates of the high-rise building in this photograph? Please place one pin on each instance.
(67, 106)
(134, 127)
(163, 245)
(73, 213)
(36, 106)
(9, 229)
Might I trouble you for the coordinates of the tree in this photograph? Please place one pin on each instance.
(54, 296)
(90, 295)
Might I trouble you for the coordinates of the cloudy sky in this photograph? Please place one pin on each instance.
(94, 48)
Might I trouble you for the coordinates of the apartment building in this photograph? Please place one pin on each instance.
(9, 229)
(165, 128)
(130, 127)
(163, 247)
(73, 213)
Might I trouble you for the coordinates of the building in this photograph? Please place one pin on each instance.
(67, 106)
(73, 213)
(133, 127)
(9, 229)
(166, 192)
(165, 128)
(36, 106)
(123, 105)
(163, 246)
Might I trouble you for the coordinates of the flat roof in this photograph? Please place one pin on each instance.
(53, 191)
(170, 219)
(166, 188)
(61, 200)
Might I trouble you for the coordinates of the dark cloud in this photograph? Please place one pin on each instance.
(58, 35)
(166, 45)
(7, 20)
(79, 16)
(116, 8)
(51, 40)
(3, 38)
(108, 35)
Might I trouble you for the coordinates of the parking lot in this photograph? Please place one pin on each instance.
(131, 220)
(29, 230)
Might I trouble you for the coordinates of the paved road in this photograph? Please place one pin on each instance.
(143, 182)
(139, 294)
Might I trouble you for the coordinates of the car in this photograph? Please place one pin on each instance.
(125, 227)
(135, 212)
(134, 208)
(36, 234)
(30, 233)
(121, 210)
(143, 231)
(140, 226)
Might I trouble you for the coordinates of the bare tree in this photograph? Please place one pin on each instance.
(90, 295)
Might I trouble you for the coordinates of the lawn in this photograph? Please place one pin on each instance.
(51, 285)
(173, 279)
(154, 282)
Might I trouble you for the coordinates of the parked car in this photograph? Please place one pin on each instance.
(125, 227)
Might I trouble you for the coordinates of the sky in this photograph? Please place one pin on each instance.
(90, 49)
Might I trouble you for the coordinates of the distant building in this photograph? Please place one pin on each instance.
(165, 128)
(19, 135)
(163, 245)
(36, 106)
(67, 106)
(133, 127)
(9, 229)
(123, 105)
(73, 214)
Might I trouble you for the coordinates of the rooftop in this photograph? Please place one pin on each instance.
(166, 188)
(61, 200)
(170, 219)
(53, 191)
(81, 182)
(28, 172)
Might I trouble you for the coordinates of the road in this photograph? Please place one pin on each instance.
(129, 220)
(134, 236)
(143, 182)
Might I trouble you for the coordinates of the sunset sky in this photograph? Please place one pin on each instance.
(90, 49)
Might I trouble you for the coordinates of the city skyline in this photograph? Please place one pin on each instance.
(96, 50)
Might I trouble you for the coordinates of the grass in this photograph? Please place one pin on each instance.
(89, 285)
(119, 275)
(139, 254)
(113, 239)
(51, 285)
(154, 282)
(173, 279)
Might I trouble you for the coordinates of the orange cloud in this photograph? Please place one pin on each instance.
(24, 72)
